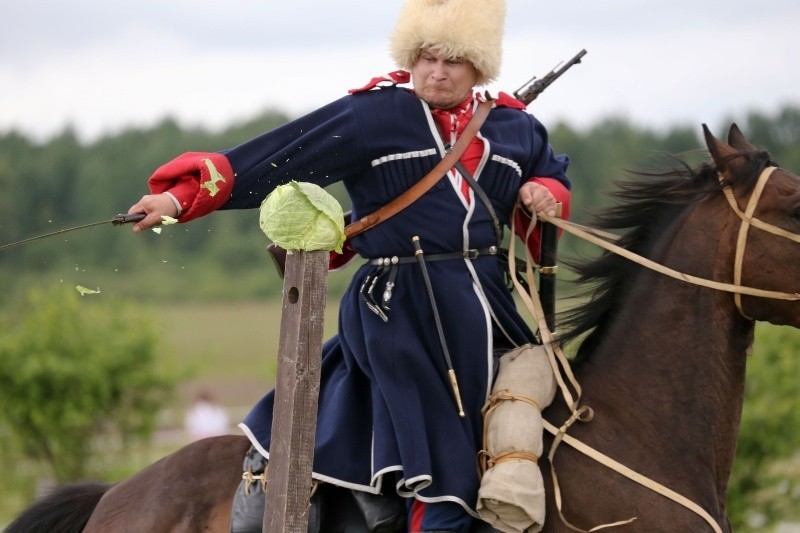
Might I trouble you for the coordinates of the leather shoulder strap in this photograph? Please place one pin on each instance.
(429, 180)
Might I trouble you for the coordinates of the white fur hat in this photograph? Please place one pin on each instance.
(469, 29)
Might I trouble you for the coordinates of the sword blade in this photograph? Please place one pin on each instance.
(116, 221)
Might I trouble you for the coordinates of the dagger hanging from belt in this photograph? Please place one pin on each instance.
(116, 221)
(451, 373)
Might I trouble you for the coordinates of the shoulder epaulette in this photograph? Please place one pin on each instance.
(506, 100)
(392, 78)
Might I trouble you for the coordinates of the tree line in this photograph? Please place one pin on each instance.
(63, 182)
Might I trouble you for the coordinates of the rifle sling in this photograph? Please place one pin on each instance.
(429, 180)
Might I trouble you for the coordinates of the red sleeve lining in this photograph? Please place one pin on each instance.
(522, 218)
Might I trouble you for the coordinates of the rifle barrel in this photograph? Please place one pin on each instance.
(537, 86)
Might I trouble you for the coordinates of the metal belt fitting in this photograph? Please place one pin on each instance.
(388, 265)
(367, 286)
(387, 290)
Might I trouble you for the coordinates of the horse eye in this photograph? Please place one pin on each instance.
(796, 213)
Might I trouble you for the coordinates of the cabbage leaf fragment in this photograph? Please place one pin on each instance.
(303, 216)
(83, 291)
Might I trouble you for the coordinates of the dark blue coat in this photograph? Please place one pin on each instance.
(387, 417)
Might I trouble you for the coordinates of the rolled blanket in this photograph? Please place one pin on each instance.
(511, 496)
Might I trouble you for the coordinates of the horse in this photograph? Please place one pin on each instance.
(661, 363)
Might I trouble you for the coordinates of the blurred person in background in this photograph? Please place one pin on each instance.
(206, 418)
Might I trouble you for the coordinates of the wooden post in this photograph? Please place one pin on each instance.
(291, 451)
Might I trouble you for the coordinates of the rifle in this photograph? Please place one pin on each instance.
(537, 86)
(549, 236)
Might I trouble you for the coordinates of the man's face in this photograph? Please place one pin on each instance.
(440, 81)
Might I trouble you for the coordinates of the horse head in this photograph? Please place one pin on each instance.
(766, 199)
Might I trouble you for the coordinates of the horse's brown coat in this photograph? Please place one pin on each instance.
(188, 491)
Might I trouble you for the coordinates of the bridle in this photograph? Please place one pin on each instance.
(748, 220)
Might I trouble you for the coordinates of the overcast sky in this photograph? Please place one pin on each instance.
(102, 65)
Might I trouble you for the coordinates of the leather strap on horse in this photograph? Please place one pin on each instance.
(744, 229)
(559, 363)
(430, 179)
(747, 221)
(627, 472)
(591, 236)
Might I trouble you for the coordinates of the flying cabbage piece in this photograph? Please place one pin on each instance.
(165, 221)
(83, 291)
(303, 216)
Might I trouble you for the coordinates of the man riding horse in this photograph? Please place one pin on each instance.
(389, 421)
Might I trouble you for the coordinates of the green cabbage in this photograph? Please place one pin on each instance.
(303, 216)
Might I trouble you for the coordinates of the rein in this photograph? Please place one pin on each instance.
(736, 287)
(560, 363)
(562, 371)
(563, 374)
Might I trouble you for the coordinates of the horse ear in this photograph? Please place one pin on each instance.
(737, 139)
(721, 153)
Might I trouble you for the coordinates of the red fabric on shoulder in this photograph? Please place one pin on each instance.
(506, 100)
(522, 219)
(393, 78)
(201, 182)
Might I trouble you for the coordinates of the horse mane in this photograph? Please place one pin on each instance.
(646, 205)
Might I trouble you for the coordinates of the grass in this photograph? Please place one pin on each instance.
(228, 348)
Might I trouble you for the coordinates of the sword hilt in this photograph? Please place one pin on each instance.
(127, 218)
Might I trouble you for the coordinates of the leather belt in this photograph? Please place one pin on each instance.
(387, 266)
(471, 253)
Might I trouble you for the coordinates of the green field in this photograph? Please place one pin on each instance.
(229, 348)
